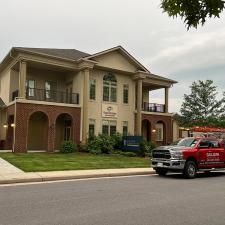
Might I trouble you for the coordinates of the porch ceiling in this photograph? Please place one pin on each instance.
(151, 86)
(154, 82)
(44, 66)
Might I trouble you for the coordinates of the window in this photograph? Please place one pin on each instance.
(30, 88)
(105, 127)
(159, 134)
(92, 91)
(125, 93)
(209, 144)
(187, 142)
(67, 130)
(159, 131)
(91, 127)
(215, 144)
(50, 89)
(204, 144)
(109, 127)
(69, 93)
(125, 128)
(109, 88)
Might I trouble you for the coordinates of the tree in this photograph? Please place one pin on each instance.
(202, 107)
(194, 12)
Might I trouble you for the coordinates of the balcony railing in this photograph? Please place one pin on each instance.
(52, 96)
(15, 94)
(153, 107)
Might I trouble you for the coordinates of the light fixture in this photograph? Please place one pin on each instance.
(153, 130)
(5, 125)
(12, 124)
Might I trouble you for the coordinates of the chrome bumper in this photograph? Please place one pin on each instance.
(173, 164)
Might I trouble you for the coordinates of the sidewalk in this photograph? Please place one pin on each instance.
(10, 174)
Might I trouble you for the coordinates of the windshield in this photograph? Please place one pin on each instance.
(187, 142)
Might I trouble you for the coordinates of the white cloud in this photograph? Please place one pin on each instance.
(163, 44)
(191, 51)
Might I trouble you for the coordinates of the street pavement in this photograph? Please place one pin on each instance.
(135, 200)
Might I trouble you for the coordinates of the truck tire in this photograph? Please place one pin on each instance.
(161, 171)
(190, 170)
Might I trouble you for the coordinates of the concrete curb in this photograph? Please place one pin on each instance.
(71, 175)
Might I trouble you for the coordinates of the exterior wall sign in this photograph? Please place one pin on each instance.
(109, 111)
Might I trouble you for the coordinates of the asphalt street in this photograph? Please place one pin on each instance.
(142, 200)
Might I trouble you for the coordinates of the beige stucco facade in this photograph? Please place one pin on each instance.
(125, 112)
(73, 76)
(5, 82)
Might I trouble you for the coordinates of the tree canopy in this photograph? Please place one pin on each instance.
(203, 107)
(193, 12)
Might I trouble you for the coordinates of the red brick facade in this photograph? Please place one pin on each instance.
(168, 127)
(22, 113)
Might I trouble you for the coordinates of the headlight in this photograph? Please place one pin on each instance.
(176, 154)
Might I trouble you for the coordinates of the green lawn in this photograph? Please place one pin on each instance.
(34, 162)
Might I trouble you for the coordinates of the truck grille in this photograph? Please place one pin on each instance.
(161, 154)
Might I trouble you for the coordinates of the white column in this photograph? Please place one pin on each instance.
(166, 99)
(85, 105)
(139, 107)
(22, 79)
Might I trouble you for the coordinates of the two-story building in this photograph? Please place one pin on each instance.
(51, 95)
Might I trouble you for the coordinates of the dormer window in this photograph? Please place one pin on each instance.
(109, 88)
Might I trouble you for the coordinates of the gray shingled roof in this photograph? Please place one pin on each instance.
(72, 54)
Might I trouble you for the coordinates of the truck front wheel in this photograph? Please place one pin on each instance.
(190, 170)
(161, 171)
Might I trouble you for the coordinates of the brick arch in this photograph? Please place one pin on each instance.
(61, 113)
(167, 120)
(24, 110)
(164, 141)
(62, 129)
(30, 113)
(37, 131)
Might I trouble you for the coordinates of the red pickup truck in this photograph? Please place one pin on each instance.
(189, 156)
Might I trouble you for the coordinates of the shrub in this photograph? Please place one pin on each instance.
(68, 147)
(100, 144)
(145, 147)
(83, 148)
(118, 140)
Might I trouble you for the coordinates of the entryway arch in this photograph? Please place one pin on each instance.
(160, 132)
(37, 138)
(63, 129)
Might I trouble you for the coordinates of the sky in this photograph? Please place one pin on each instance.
(161, 43)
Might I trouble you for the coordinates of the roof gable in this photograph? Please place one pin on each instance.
(117, 58)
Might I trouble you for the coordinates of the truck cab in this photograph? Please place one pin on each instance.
(189, 156)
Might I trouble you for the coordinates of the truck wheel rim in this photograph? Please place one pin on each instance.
(191, 170)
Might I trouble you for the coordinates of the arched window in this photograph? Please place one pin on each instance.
(109, 88)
